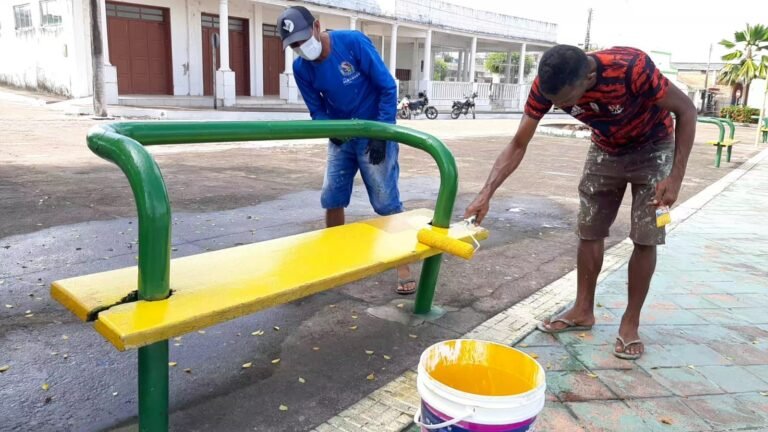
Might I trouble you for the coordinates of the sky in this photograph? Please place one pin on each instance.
(684, 28)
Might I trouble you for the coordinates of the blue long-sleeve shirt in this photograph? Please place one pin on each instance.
(351, 83)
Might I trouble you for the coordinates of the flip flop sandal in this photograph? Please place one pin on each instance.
(401, 283)
(570, 326)
(623, 353)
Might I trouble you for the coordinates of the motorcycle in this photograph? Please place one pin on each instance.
(407, 108)
(465, 107)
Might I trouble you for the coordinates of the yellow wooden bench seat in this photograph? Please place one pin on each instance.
(726, 143)
(218, 286)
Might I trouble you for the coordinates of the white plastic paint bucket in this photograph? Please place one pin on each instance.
(478, 386)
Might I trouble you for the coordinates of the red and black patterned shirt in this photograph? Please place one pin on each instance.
(621, 107)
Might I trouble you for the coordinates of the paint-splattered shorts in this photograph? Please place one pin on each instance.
(604, 181)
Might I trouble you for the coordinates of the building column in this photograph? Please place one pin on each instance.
(460, 66)
(257, 85)
(415, 75)
(288, 88)
(473, 60)
(426, 80)
(353, 23)
(521, 66)
(225, 77)
(110, 71)
(393, 54)
(509, 67)
(521, 79)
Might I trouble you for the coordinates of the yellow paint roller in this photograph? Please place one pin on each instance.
(438, 238)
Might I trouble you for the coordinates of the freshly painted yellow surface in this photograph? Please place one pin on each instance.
(726, 143)
(219, 286)
(482, 368)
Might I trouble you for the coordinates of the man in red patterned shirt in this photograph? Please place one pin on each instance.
(627, 102)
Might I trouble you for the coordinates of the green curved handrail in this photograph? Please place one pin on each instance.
(731, 126)
(719, 124)
(123, 144)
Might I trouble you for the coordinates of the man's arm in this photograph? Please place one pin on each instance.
(506, 163)
(314, 100)
(373, 66)
(685, 130)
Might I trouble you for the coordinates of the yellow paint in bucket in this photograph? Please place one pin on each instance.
(482, 368)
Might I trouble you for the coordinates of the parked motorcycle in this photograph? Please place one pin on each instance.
(408, 108)
(465, 107)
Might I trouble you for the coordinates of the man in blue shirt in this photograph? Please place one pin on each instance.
(341, 76)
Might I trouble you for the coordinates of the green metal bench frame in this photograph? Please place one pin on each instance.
(123, 144)
(721, 141)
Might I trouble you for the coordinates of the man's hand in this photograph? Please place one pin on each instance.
(377, 151)
(337, 141)
(478, 208)
(667, 191)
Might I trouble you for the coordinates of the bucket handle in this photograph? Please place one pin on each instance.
(453, 421)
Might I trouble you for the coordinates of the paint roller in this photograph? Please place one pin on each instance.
(437, 238)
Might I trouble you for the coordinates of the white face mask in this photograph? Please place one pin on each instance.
(310, 49)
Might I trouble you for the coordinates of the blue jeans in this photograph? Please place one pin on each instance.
(380, 180)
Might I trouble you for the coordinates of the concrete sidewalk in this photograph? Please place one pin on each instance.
(705, 325)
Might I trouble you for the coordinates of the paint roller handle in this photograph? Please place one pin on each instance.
(451, 422)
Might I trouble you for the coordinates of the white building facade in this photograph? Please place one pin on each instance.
(163, 48)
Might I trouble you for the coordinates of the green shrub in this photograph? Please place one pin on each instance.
(740, 114)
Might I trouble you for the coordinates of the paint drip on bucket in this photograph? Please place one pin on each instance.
(478, 386)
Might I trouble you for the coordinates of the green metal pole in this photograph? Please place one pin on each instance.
(153, 387)
(154, 211)
(718, 155)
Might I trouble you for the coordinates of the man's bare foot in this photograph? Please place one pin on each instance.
(406, 284)
(628, 344)
(572, 318)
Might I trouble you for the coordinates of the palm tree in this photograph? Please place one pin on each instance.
(746, 61)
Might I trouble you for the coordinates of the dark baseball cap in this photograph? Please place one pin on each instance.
(295, 24)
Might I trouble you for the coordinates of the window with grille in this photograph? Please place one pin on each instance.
(269, 30)
(135, 12)
(23, 16)
(50, 13)
(235, 24)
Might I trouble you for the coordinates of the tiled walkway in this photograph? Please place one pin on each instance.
(705, 325)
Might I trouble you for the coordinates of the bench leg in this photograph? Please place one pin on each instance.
(728, 155)
(153, 387)
(718, 155)
(427, 283)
